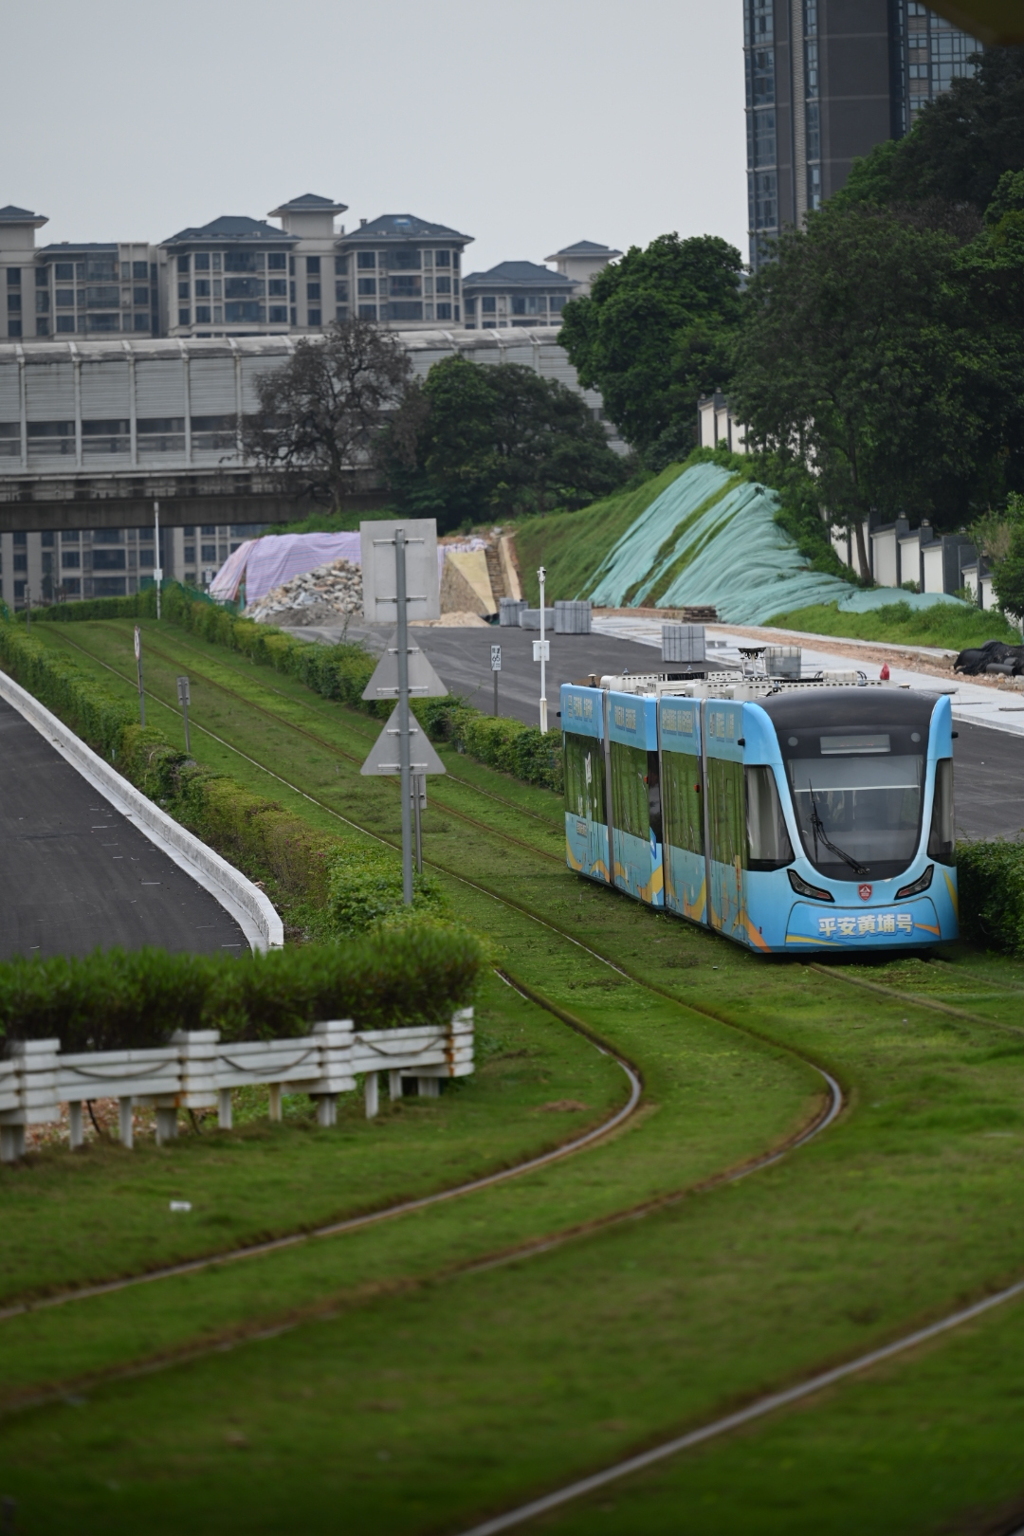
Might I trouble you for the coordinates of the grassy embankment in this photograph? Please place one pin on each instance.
(944, 624)
(410, 1410)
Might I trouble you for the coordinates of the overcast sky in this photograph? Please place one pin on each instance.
(528, 125)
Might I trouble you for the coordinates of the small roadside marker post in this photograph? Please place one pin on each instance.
(158, 573)
(495, 668)
(542, 653)
(138, 664)
(185, 699)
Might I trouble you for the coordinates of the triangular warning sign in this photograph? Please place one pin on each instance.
(384, 757)
(424, 682)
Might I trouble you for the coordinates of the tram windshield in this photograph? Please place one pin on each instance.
(858, 795)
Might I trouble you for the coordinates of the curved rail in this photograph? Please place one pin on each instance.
(742, 1416)
(369, 1218)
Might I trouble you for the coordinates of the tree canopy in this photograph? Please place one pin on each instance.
(319, 414)
(655, 334)
(478, 441)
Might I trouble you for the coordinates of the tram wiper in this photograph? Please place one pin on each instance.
(818, 831)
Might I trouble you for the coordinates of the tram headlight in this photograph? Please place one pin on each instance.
(803, 889)
(918, 885)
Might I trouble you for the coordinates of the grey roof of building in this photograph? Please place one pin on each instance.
(402, 226)
(309, 202)
(230, 227)
(69, 247)
(13, 215)
(518, 274)
(585, 248)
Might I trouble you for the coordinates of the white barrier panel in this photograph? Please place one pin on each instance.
(251, 909)
(197, 1070)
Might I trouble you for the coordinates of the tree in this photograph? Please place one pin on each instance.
(477, 441)
(863, 356)
(319, 414)
(1008, 571)
(960, 145)
(655, 334)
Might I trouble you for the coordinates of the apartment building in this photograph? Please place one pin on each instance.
(516, 294)
(827, 80)
(581, 263)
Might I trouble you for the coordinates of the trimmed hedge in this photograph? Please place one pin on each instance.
(339, 672)
(305, 871)
(990, 876)
(113, 1000)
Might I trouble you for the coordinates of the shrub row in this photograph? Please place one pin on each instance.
(339, 672)
(325, 884)
(991, 880)
(113, 1000)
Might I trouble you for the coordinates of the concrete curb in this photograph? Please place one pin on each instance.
(251, 909)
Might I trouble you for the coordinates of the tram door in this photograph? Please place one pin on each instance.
(726, 819)
(586, 821)
(682, 805)
(636, 796)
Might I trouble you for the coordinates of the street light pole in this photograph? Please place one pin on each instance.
(404, 754)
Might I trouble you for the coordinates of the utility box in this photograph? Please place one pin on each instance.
(572, 618)
(683, 642)
(783, 661)
(509, 609)
(529, 618)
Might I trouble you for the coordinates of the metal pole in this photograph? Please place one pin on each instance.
(495, 693)
(184, 699)
(419, 790)
(28, 606)
(541, 576)
(158, 573)
(403, 715)
(138, 662)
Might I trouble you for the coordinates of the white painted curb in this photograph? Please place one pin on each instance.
(251, 909)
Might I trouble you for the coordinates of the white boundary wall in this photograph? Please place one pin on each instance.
(250, 907)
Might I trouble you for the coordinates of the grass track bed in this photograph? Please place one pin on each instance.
(415, 1411)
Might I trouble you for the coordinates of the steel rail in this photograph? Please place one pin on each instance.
(756, 1410)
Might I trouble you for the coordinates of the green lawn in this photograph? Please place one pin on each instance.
(412, 1394)
(944, 624)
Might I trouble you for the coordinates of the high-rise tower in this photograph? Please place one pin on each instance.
(826, 81)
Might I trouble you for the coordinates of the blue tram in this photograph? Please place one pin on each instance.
(788, 816)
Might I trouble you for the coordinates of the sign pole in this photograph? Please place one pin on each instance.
(138, 663)
(541, 577)
(419, 794)
(185, 699)
(495, 669)
(403, 715)
(158, 574)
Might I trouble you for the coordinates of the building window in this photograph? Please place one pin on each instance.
(21, 562)
(277, 287)
(557, 302)
(341, 293)
(202, 261)
(65, 322)
(14, 328)
(406, 287)
(313, 292)
(202, 314)
(312, 266)
(14, 277)
(184, 317)
(488, 304)
(367, 311)
(341, 266)
(442, 258)
(42, 326)
(240, 261)
(366, 258)
(444, 285)
(42, 303)
(314, 317)
(444, 311)
(190, 553)
(277, 261)
(406, 311)
(243, 287)
(291, 319)
(183, 262)
(367, 286)
(70, 559)
(278, 314)
(65, 298)
(202, 289)
(405, 259)
(341, 313)
(208, 552)
(14, 303)
(255, 313)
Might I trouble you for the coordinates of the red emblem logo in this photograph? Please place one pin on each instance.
(864, 892)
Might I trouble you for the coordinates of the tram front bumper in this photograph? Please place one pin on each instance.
(901, 923)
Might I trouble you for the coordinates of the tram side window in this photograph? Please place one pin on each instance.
(770, 847)
(629, 790)
(942, 838)
(583, 766)
(681, 802)
(727, 812)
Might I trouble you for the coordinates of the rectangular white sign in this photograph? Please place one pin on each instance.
(377, 549)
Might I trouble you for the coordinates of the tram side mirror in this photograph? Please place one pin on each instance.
(741, 741)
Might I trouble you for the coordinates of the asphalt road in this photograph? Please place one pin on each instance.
(76, 875)
(989, 763)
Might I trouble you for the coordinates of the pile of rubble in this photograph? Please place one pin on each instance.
(315, 597)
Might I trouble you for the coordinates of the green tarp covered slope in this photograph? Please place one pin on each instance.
(711, 539)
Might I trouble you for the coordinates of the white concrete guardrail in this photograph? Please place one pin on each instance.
(198, 1070)
(248, 905)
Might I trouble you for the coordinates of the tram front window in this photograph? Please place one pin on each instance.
(858, 796)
